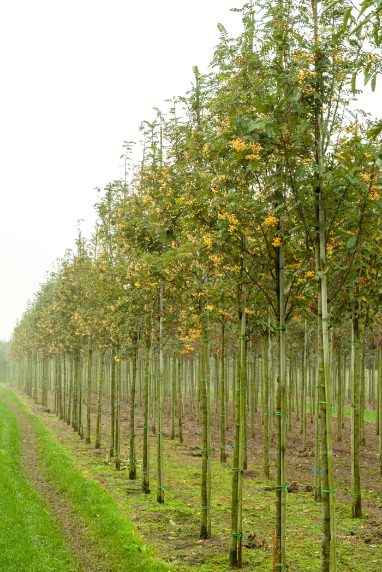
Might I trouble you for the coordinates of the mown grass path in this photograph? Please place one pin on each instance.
(30, 539)
(52, 518)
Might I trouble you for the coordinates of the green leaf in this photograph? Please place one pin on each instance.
(375, 130)
(364, 6)
(223, 30)
(351, 242)
(347, 15)
(353, 82)
(358, 28)
(378, 160)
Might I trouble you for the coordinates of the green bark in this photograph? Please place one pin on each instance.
(340, 392)
(44, 382)
(204, 388)
(222, 399)
(180, 399)
(118, 374)
(160, 487)
(173, 396)
(356, 422)
(266, 402)
(146, 435)
(89, 394)
(101, 381)
(132, 451)
(328, 545)
(235, 555)
(304, 374)
(279, 551)
(112, 403)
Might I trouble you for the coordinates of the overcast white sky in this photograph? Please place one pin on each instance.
(77, 77)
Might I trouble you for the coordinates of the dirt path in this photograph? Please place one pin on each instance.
(88, 555)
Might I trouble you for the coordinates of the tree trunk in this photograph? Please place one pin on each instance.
(279, 552)
(266, 402)
(328, 546)
(235, 557)
(112, 402)
(118, 415)
(146, 435)
(222, 418)
(204, 385)
(101, 381)
(89, 394)
(160, 487)
(132, 451)
(356, 422)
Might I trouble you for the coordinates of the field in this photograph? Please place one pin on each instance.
(170, 530)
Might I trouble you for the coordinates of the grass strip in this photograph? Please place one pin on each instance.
(30, 539)
(370, 414)
(112, 532)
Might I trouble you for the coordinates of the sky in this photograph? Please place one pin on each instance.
(77, 78)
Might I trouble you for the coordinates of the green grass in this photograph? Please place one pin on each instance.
(370, 414)
(176, 523)
(30, 540)
(303, 522)
(108, 528)
(172, 529)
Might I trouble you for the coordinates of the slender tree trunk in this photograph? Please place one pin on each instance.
(101, 381)
(160, 491)
(328, 546)
(75, 368)
(222, 418)
(279, 553)
(244, 406)
(146, 434)
(204, 385)
(356, 422)
(304, 372)
(70, 397)
(339, 396)
(89, 394)
(35, 377)
(266, 402)
(65, 386)
(363, 393)
(59, 386)
(235, 557)
(173, 396)
(318, 423)
(44, 382)
(118, 374)
(132, 453)
(112, 402)
(181, 368)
